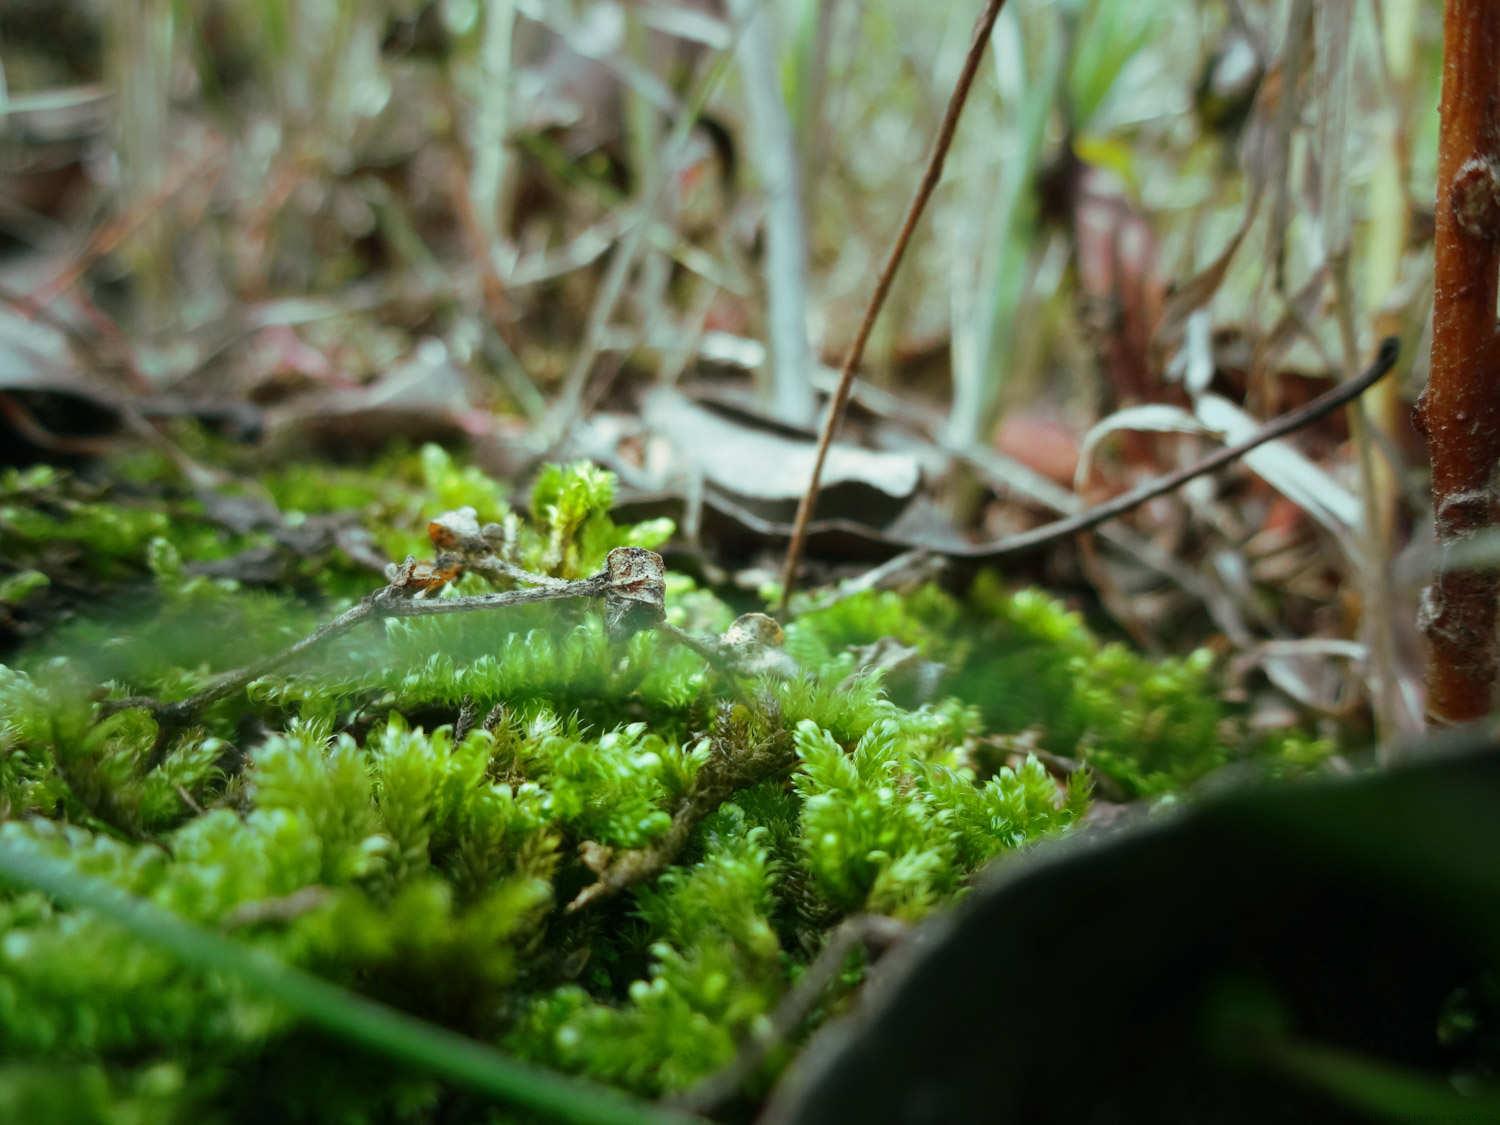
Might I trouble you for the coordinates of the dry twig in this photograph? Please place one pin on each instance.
(729, 770)
(1089, 518)
(874, 931)
(630, 584)
(750, 647)
(925, 188)
(1278, 427)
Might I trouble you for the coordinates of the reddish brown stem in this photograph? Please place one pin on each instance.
(1461, 405)
(930, 178)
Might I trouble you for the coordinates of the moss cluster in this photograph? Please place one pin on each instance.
(408, 812)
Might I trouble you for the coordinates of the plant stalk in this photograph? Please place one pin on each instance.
(1460, 409)
(930, 177)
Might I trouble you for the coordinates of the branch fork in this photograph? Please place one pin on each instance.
(632, 586)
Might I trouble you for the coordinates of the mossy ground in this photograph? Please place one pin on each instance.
(402, 812)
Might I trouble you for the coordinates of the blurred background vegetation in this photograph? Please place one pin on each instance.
(276, 147)
(485, 212)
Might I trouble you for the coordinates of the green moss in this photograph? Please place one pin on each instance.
(16, 588)
(334, 815)
(73, 1093)
(55, 525)
(715, 971)
(1031, 665)
(887, 827)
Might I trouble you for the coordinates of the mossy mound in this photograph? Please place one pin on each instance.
(409, 811)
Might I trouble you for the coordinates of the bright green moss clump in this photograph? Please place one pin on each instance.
(1031, 666)
(409, 811)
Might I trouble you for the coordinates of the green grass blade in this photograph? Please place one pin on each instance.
(1382, 1089)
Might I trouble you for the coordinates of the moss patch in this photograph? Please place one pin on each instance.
(408, 812)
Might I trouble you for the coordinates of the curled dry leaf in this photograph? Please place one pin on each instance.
(1288, 471)
(1155, 417)
(769, 469)
(1317, 672)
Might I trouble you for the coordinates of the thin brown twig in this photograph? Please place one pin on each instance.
(391, 600)
(1011, 478)
(874, 931)
(728, 771)
(925, 188)
(750, 649)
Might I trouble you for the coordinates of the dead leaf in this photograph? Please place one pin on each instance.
(768, 470)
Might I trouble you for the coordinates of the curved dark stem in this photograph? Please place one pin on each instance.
(1287, 423)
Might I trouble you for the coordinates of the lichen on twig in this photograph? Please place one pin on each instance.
(631, 585)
